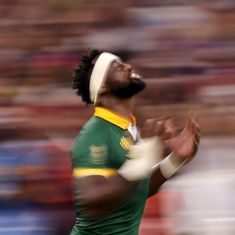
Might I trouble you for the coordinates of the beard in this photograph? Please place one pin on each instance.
(127, 90)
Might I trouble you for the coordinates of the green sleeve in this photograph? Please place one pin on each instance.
(90, 155)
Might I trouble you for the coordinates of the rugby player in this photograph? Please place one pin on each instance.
(115, 167)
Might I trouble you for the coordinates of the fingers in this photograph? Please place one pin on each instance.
(191, 132)
(185, 144)
(166, 129)
(189, 125)
(152, 127)
(192, 124)
(195, 123)
(159, 128)
(147, 126)
(170, 130)
(195, 134)
(163, 127)
(196, 129)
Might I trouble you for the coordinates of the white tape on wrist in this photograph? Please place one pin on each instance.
(142, 157)
(169, 165)
(99, 74)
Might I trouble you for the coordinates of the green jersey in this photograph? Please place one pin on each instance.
(100, 149)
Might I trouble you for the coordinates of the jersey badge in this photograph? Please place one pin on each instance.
(98, 154)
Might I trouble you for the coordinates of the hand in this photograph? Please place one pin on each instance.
(163, 128)
(152, 127)
(184, 145)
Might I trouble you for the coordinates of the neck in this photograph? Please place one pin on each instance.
(123, 107)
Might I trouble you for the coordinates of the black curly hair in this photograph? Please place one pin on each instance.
(82, 73)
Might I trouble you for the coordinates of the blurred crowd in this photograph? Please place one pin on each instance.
(184, 48)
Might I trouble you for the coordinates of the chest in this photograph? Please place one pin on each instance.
(120, 142)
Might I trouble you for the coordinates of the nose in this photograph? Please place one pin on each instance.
(128, 67)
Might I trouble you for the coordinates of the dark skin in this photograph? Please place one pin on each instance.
(99, 195)
(182, 143)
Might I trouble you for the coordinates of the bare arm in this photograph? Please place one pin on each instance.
(99, 195)
(184, 146)
(157, 180)
(153, 127)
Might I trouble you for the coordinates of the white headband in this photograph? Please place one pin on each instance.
(99, 73)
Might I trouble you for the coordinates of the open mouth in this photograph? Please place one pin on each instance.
(135, 75)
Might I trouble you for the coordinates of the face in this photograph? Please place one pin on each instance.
(123, 81)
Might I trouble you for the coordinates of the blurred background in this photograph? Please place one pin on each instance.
(186, 51)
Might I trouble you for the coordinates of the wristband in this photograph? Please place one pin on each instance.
(169, 165)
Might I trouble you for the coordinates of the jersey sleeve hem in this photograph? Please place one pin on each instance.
(106, 172)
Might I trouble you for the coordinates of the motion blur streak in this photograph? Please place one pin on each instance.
(186, 51)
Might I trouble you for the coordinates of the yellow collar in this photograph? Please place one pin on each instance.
(114, 118)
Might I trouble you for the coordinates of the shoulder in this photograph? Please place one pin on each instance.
(95, 131)
(96, 123)
(90, 148)
(95, 127)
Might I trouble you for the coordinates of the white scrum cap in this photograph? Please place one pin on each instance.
(100, 73)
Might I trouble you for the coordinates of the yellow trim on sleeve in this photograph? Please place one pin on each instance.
(114, 118)
(106, 172)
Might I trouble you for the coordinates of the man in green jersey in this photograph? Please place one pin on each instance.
(114, 169)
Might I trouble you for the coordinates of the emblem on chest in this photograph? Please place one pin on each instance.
(126, 142)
